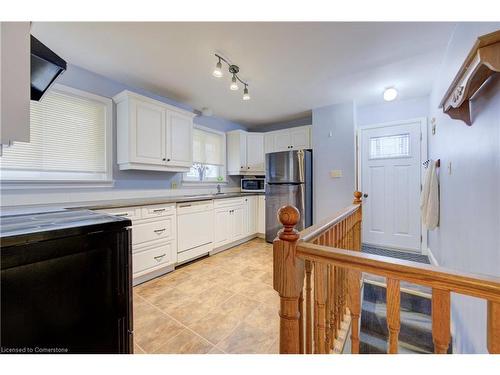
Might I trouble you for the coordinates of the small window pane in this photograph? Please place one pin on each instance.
(393, 146)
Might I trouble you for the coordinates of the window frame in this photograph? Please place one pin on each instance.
(19, 179)
(186, 181)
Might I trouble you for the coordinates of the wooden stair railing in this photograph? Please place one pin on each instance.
(327, 256)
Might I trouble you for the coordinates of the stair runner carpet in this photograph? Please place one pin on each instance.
(415, 336)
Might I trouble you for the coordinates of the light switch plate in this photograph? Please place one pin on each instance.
(336, 173)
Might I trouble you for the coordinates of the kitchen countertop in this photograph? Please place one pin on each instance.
(117, 203)
(100, 205)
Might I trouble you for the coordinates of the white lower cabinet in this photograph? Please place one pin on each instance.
(261, 214)
(230, 217)
(159, 254)
(251, 205)
(154, 239)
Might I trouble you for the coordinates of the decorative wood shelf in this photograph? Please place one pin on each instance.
(481, 63)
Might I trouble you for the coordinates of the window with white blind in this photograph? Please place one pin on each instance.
(70, 140)
(209, 156)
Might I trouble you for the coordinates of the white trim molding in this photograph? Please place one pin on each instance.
(432, 258)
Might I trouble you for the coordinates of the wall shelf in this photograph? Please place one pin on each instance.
(481, 63)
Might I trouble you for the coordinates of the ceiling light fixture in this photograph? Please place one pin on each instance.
(246, 95)
(234, 83)
(234, 70)
(390, 94)
(218, 70)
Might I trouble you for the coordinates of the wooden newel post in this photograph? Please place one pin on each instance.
(288, 280)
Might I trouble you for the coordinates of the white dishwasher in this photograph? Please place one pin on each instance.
(195, 229)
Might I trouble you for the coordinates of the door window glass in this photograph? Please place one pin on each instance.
(392, 146)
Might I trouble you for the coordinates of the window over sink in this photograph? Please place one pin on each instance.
(209, 156)
(70, 141)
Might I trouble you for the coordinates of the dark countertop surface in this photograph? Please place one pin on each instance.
(117, 203)
(100, 205)
(26, 228)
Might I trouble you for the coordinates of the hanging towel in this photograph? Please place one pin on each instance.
(429, 198)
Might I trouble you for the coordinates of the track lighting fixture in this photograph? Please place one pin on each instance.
(234, 70)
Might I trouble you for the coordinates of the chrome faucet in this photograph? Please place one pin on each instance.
(219, 189)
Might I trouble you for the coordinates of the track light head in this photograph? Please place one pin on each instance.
(218, 70)
(234, 83)
(246, 95)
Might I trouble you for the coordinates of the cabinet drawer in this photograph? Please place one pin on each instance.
(228, 202)
(156, 230)
(132, 213)
(157, 210)
(161, 255)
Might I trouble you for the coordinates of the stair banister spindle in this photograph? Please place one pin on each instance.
(309, 322)
(493, 327)
(288, 279)
(441, 320)
(393, 315)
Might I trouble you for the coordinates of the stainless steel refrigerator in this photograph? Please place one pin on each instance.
(288, 182)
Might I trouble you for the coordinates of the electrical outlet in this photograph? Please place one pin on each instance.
(433, 126)
(173, 185)
(336, 173)
(449, 167)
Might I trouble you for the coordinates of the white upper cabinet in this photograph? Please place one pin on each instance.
(300, 138)
(288, 139)
(15, 82)
(147, 132)
(255, 152)
(152, 135)
(180, 139)
(245, 153)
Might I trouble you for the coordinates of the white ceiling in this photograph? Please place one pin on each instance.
(291, 67)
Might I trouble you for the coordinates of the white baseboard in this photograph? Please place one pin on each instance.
(432, 258)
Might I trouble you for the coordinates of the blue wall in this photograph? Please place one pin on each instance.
(467, 238)
(283, 125)
(335, 152)
(85, 80)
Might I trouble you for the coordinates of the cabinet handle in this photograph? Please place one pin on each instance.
(159, 210)
(241, 167)
(159, 257)
(124, 214)
(160, 230)
(168, 159)
(164, 159)
(184, 205)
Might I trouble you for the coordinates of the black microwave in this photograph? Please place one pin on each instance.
(253, 184)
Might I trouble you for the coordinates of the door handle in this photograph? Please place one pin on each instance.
(365, 195)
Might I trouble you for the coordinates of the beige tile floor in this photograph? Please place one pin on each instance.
(221, 304)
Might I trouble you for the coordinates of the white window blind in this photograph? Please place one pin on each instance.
(393, 146)
(67, 140)
(208, 147)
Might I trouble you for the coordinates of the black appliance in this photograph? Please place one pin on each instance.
(253, 184)
(289, 176)
(65, 283)
(46, 66)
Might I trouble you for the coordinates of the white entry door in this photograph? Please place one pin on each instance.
(391, 163)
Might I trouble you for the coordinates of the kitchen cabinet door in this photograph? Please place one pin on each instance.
(147, 133)
(238, 222)
(15, 79)
(251, 214)
(282, 141)
(222, 225)
(255, 152)
(269, 142)
(299, 138)
(261, 214)
(179, 140)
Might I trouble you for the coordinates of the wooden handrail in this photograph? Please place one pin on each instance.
(328, 256)
(310, 233)
(423, 274)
